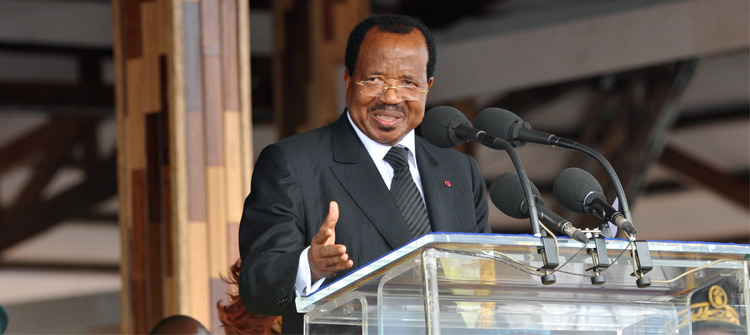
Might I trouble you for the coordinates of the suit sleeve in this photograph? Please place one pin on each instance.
(480, 198)
(271, 236)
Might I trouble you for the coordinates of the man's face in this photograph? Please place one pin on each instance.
(396, 59)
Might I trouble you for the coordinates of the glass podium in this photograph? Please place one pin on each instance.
(490, 284)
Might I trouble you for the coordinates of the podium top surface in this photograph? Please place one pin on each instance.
(686, 253)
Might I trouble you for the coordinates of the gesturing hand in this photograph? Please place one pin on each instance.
(325, 257)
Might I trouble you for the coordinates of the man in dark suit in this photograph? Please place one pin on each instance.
(320, 204)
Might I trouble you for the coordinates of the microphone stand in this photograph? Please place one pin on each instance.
(548, 250)
(572, 145)
(642, 255)
(599, 258)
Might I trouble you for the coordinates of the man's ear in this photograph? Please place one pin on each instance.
(346, 80)
(429, 83)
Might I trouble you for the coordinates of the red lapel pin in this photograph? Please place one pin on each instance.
(447, 183)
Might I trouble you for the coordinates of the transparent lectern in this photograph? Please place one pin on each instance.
(490, 284)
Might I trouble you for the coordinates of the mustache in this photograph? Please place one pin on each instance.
(387, 108)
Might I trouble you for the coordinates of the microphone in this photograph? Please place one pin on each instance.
(510, 127)
(578, 191)
(446, 127)
(507, 194)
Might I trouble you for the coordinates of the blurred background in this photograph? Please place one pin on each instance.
(661, 88)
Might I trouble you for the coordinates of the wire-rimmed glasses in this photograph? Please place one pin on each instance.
(379, 88)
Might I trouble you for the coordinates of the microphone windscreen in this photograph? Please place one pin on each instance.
(573, 186)
(508, 196)
(439, 126)
(497, 122)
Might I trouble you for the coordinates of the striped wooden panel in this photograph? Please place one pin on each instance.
(217, 222)
(164, 13)
(235, 195)
(209, 26)
(134, 138)
(130, 28)
(138, 248)
(229, 56)
(197, 291)
(243, 23)
(149, 84)
(157, 256)
(135, 144)
(212, 80)
(196, 174)
(180, 101)
(212, 110)
(233, 235)
(191, 64)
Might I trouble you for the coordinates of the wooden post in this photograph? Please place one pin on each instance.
(309, 48)
(183, 112)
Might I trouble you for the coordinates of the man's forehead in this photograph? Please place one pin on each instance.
(381, 44)
(375, 33)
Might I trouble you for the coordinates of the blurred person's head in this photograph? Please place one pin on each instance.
(179, 324)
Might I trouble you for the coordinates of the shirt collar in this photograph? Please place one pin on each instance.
(378, 150)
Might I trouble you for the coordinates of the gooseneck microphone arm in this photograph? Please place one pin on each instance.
(468, 133)
(533, 214)
(572, 145)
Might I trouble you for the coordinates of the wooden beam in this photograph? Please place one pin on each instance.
(55, 94)
(71, 50)
(732, 189)
(35, 142)
(523, 100)
(61, 267)
(617, 41)
(44, 170)
(668, 85)
(437, 14)
(732, 113)
(97, 187)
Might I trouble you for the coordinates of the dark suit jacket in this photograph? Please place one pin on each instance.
(295, 179)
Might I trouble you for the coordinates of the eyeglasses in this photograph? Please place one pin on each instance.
(379, 88)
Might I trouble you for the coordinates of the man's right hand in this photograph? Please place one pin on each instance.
(325, 257)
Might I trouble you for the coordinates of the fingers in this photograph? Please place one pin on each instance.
(328, 251)
(334, 268)
(326, 267)
(326, 260)
(326, 232)
(333, 216)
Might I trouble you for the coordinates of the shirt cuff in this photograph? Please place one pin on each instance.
(303, 285)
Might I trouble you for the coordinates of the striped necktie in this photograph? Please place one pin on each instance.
(406, 194)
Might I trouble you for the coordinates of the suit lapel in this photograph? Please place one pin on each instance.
(361, 179)
(438, 195)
